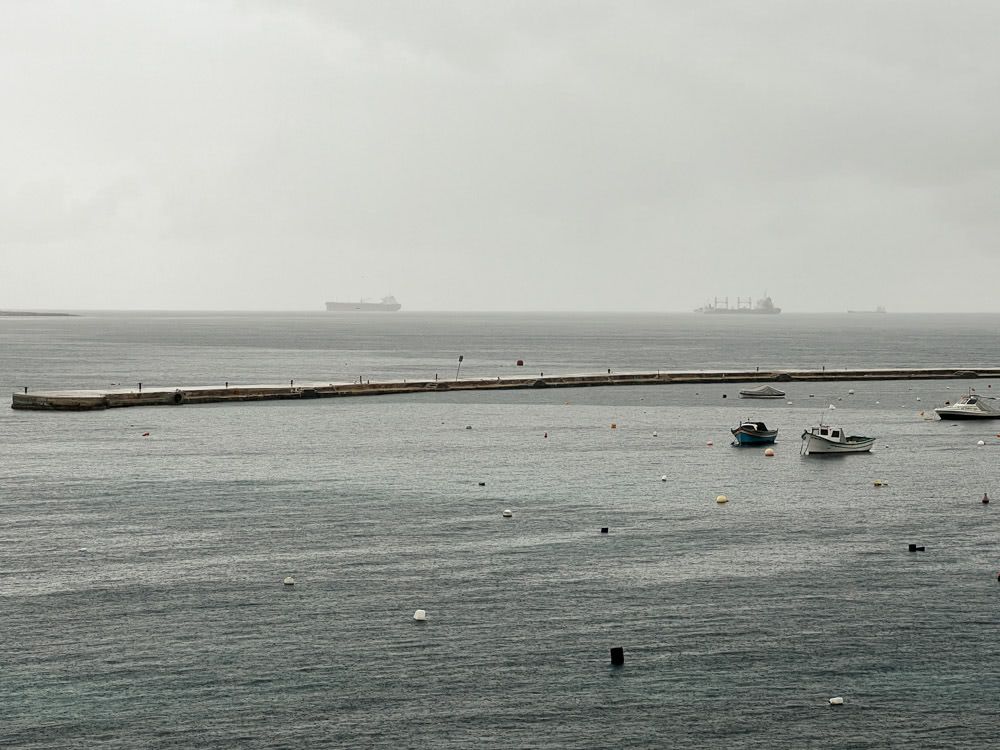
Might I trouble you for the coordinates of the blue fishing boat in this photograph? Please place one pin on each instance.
(753, 433)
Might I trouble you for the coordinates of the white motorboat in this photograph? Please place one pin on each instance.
(826, 440)
(972, 406)
(765, 391)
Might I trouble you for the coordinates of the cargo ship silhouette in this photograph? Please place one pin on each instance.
(388, 304)
(763, 307)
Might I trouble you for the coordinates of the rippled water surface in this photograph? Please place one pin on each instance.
(141, 596)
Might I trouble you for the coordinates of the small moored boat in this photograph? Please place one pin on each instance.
(972, 406)
(824, 440)
(753, 433)
(764, 391)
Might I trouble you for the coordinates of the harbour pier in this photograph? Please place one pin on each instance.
(87, 400)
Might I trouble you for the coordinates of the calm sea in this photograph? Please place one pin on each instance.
(141, 596)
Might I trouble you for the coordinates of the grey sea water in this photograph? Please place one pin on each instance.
(141, 596)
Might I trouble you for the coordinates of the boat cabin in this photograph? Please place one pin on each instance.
(835, 434)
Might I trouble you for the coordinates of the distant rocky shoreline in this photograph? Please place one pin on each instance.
(24, 314)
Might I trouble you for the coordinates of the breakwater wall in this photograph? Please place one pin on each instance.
(85, 400)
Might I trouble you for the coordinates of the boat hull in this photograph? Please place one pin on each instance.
(735, 311)
(754, 438)
(814, 445)
(946, 413)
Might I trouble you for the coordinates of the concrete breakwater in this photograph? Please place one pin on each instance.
(84, 400)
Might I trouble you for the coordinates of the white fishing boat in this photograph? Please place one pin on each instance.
(826, 440)
(972, 406)
(764, 391)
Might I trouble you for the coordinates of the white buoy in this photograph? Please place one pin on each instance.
(656, 434)
(876, 403)
(850, 392)
(832, 406)
(289, 581)
(663, 477)
(420, 615)
(918, 399)
(709, 443)
(789, 403)
(838, 701)
(721, 499)
(981, 442)
(769, 452)
(508, 513)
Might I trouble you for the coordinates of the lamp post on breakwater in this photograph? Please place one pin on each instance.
(459, 368)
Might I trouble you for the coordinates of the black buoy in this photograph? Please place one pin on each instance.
(986, 499)
(604, 529)
(618, 656)
(724, 395)
(915, 548)
(482, 484)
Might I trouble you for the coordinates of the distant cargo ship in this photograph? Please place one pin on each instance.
(388, 304)
(763, 307)
(878, 309)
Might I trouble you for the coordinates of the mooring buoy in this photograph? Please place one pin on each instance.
(507, 513)
(604, 529)
(838, 701)
(721, 499)
(420, 615)
(769, 452)
(289, 581)
(617, 656)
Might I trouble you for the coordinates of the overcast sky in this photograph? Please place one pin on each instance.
(534, 155)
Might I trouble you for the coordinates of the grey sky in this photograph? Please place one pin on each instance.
(500, 155)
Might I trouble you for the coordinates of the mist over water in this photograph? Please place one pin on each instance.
(141, 594)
